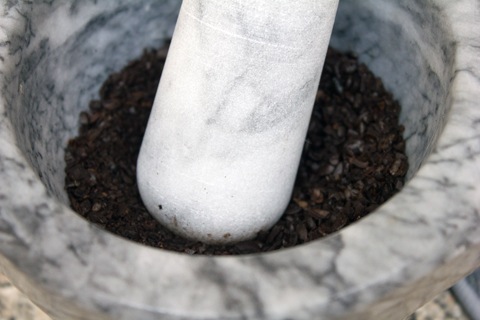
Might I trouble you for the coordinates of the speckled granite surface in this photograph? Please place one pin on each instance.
(443, 307)
(16, 306)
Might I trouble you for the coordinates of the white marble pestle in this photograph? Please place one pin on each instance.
(224, 139)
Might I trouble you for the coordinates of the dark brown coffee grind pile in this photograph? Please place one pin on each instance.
(353, 159)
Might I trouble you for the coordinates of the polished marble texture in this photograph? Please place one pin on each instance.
(14, 305)
(55, 54)
(223, 143)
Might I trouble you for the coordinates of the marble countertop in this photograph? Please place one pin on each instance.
(14, 305)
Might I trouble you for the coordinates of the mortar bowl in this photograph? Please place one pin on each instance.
(55, 54)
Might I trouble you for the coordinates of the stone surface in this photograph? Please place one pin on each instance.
(385, 266)
(14, 305)
(224, 139)
(443, 307)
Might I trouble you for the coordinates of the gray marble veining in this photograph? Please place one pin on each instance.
(227, 128)
(419, 243)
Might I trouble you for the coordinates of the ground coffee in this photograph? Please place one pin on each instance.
(353, 160)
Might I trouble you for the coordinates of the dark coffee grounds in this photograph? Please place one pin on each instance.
(353, 159)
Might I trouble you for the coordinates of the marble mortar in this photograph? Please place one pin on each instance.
(55, 54)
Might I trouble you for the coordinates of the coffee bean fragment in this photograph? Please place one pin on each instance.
(302, 232)
(317, 213)
(353, 159)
